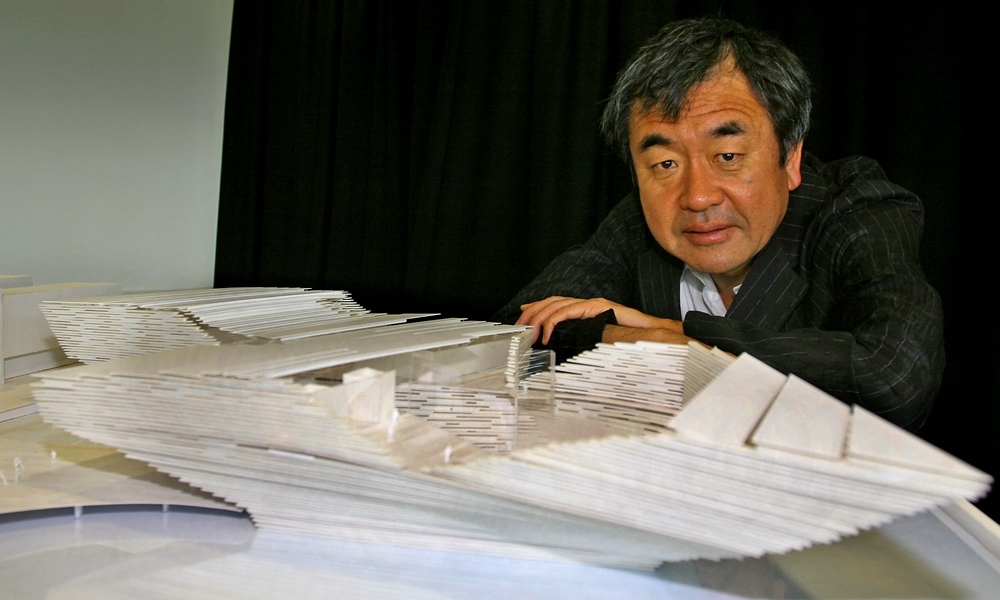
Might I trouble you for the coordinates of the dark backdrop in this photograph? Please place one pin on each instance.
(435, 156)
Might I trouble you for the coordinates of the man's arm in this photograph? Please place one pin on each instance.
(620, 333)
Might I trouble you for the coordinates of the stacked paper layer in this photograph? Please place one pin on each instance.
(110, 327)
(307, 436)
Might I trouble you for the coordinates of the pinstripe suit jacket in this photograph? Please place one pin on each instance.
(837, 296)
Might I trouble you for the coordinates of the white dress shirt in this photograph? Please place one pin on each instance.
(698, 292)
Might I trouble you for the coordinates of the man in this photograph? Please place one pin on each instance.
(738, 239)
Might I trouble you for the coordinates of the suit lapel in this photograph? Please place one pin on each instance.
(773, 287)
(659, 283)
(771, 291)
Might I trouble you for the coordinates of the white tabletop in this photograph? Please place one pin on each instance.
(150, 553)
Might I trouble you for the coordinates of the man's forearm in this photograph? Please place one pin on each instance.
(672, 334)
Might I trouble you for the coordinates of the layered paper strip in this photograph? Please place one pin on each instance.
(26, 341)
(443, 434)
(109, 327)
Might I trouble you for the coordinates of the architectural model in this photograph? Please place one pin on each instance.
(453, 434)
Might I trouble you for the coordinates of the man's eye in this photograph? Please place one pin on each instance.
(667, 164)
(728, 156)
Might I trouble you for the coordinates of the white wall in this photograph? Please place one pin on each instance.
(111, 115)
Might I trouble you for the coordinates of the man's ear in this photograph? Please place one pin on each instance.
(792, 166)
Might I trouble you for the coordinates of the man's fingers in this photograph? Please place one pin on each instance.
(544, 315)
(530, 310)
(581, 309)
(537, 313)
(571, 309)
(548, 317)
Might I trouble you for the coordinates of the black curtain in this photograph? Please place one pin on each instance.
(435, 156)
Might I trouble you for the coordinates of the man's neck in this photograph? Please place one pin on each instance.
(727, 287)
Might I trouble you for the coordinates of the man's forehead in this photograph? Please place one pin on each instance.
(724, 105)
(726, 123)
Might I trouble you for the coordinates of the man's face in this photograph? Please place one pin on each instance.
(712, 187)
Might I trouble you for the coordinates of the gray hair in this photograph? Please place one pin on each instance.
(685, 53)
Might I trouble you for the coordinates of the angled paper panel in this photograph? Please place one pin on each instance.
(805, 419)
(873, 438)
(728, 409)
(702, 366)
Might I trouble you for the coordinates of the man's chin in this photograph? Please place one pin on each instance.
(705, 262)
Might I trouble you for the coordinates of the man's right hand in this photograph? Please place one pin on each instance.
(544, 315)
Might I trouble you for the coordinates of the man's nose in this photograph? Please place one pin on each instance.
(701, 188)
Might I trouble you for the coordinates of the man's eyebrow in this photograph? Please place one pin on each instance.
(729, 128)
(654, 139)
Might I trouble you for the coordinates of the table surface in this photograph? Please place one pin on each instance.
(149, 552)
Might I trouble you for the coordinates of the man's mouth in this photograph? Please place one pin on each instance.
(705, 234)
